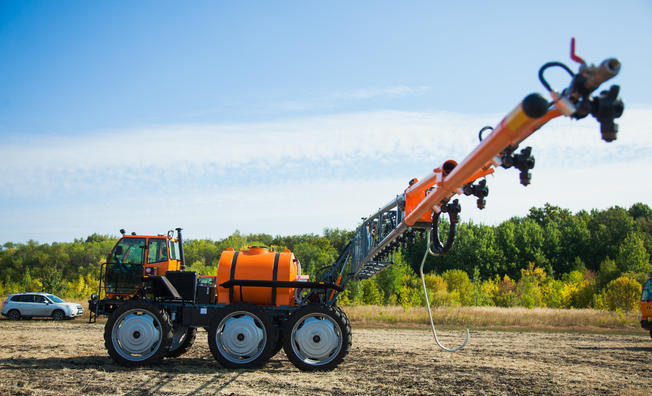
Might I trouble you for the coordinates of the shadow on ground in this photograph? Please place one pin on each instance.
(105, 363)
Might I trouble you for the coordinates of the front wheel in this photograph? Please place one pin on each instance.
(58, 315)
(242, 336)
(137, 333)
(317, 337)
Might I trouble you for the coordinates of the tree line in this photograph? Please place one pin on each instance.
(549, 258)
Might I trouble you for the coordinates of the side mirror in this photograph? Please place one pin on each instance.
(46, 302)
(118, 250)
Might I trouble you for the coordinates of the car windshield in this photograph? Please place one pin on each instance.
(54, 298)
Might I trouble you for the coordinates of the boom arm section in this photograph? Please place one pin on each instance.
(419, 207)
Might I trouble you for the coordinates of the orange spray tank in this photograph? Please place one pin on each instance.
(258, 264)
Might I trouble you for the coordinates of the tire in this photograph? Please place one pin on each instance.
(182, 339)
(278, 345)
(58, 315)
(137, 333)
(14, 314)
(242, 336)
(317, 338)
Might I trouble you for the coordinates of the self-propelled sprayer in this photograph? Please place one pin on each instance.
(259, 302)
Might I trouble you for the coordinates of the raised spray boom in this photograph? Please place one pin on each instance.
(419, 207)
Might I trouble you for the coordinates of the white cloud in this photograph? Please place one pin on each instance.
(298, 175)
(336, 99)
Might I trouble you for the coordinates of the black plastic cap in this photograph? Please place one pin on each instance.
(535, 106)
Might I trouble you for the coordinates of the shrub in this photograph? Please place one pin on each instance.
(409, 297)
(529, 288)
(458, 281)
(488, 291)
(505, 296)
(583, 296)
(371, 294)
(623, 293)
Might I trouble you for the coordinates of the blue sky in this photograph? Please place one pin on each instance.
(288, 117)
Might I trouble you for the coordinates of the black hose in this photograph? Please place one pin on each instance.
(437, 246)
(487, 128)
(549, 65)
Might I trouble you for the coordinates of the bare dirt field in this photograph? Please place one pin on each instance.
(45, 357)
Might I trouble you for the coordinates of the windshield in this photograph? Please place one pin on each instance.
(647, 291)
(124, 271)
(54, 298)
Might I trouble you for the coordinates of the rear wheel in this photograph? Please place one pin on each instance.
(13, 315)
(58, 315)
(182, 339)
(137, 333)
(317, 337)
(242, 336)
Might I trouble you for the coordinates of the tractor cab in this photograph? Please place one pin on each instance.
(646, 305)
(138, 256)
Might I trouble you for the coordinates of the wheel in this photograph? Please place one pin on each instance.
(13, 315)
(242, 336)
(182, 339)
(137, 333)
(58, 315)
(317, 337)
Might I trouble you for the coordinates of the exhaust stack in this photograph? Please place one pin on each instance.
(183, 259)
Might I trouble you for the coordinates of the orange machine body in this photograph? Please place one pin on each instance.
(646, 305)
(257, 263)
(419, 189)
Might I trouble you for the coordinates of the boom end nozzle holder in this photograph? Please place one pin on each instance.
(479, 190)
(523, 161)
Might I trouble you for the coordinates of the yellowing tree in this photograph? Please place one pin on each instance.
(623, 293)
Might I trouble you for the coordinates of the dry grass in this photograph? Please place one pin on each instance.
(495, 317)
(480, 318)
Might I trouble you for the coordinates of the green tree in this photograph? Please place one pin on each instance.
(608, 230)
(632, 255)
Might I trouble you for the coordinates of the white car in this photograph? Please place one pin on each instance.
(29, 305)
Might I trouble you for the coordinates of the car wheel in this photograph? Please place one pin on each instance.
(58, 315)
(13, 315)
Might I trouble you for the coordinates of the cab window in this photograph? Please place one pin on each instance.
(157, 251)
(174, 250)
(129, 251)
(39, 299)
(647, 291)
